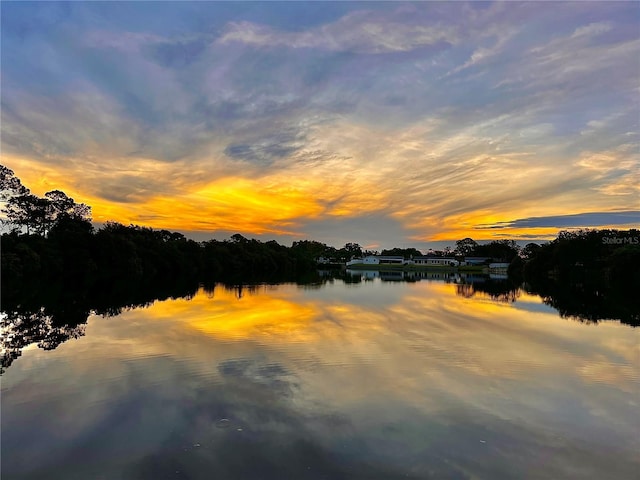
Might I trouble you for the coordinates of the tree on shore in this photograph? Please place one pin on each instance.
(465, 247)
(530, 250)
(10, 185)
(38, 215)
(351, 250)
(406, 253)
(26, 211)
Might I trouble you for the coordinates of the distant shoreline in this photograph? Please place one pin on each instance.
(409, 268)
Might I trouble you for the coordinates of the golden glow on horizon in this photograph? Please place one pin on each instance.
(230, 203)
(241, 203)
(280, 203)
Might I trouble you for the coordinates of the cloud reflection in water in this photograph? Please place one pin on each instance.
(375, 380)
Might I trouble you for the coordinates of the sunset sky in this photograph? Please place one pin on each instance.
(385, 124)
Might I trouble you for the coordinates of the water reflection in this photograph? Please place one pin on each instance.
(496, 286)
(374, 379)
(61, 313)
(498, 290)
(21, 330)
(589, 299)
(49, 315)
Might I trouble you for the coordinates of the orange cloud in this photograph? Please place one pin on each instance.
(439, 184)
(228, 203)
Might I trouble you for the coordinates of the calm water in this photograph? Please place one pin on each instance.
(373, 380)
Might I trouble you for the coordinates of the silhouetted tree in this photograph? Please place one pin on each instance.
(406, 253)
(60, 206)
(10, 185)
(529, 250)
(26, 211)
(311, 249)
(465, 247)
(504, 250)
(351, 250)
(23, 210)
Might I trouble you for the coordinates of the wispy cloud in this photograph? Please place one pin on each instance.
(359, 32)
(589, 219)
(591, 30)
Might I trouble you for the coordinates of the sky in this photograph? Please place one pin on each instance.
(385, 124)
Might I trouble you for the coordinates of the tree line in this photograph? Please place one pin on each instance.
(52, 239)
(615, 251)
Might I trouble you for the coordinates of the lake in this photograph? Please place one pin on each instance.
(366, 377)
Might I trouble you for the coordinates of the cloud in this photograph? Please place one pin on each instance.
(267, 150)
(591, 30)
(589, 219)
(363, 229)
(563, 62)
(352, 116)
(360, 32)
(501, 35)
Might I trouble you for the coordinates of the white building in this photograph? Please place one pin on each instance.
(378, 260)
(436, 261)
